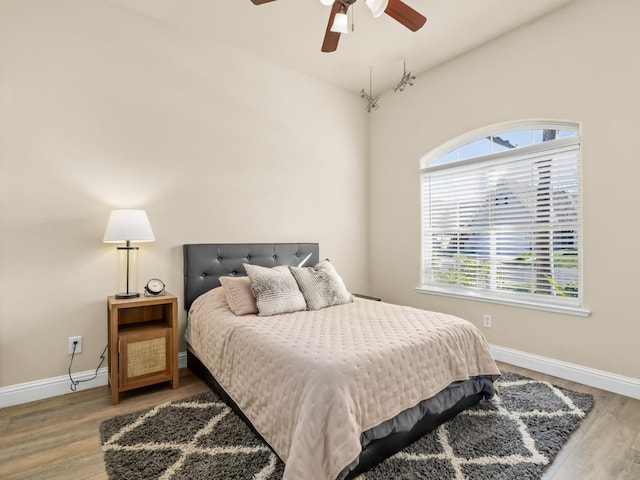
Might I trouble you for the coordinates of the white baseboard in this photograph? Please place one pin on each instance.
(610, 382)
(52, 387)
(630, 387)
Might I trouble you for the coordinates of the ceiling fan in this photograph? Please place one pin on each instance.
(338, 24)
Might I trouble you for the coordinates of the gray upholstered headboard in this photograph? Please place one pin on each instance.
(205, 263)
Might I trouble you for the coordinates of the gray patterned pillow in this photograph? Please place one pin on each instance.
(275, 289)
(321, 285)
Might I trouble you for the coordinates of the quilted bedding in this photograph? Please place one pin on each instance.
(311, 382)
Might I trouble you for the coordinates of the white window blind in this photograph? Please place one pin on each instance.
(506, 225)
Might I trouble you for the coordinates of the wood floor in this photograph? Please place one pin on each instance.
(57, 438)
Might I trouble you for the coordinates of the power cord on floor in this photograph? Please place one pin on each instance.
(75, 383)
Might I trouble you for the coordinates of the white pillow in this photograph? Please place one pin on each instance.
(321, 285)
(275, 290)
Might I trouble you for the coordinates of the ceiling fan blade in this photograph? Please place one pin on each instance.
(406, 15)
(330, 42)
(260, 2)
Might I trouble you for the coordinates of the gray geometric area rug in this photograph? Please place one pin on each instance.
(515, 435)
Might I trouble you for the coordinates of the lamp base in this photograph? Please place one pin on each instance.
(128, 295)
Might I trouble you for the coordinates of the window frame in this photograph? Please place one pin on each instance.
(538, 301)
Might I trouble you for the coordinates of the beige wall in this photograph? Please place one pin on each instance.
(581, 64)
(101, 108)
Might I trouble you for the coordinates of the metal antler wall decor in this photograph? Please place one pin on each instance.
(372, 102)
(407, 79)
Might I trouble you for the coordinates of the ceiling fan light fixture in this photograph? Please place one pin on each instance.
(340, 23)
(377, 7)
(326, 3)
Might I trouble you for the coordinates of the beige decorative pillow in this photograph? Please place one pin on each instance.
(275, 290)
(237, 290)
(321, 285)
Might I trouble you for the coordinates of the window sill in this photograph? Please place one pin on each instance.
(577, 311)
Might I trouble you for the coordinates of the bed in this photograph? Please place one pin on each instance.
(336, 390)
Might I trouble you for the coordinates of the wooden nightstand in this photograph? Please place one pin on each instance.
(143, 342)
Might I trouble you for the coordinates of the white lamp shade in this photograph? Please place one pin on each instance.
(340, 23)
(377, 7)
(326, 3)
(128, 225)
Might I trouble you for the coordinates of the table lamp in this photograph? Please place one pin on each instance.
(128, 226)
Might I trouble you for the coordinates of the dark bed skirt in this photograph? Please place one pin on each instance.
(377, 450)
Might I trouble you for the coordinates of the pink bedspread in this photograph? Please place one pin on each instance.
(312, 382)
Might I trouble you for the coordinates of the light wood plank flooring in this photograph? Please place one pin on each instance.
(57, 438)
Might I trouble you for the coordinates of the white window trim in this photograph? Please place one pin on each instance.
(485, 297)
(491, 130)
(539, 148)
(494, 296)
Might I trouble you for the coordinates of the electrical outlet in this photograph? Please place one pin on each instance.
(486, 318)
(78, 346)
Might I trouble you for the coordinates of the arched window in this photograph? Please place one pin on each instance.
(501, 216)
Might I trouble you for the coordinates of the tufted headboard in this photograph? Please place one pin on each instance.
(205, 263)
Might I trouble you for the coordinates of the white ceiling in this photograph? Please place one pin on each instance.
(290, 32)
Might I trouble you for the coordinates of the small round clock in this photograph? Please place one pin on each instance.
(155, 286)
